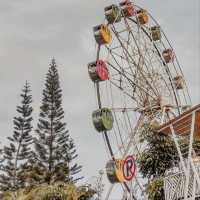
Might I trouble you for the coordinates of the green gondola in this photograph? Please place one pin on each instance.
(113, 14)
(103, 119)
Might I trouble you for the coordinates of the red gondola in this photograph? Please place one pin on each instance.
(127, 8)
(98, 71)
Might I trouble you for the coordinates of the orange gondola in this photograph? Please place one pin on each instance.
(143, 17)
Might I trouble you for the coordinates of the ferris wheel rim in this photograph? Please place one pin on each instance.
(168, 41)
(167, 68)
(159, 53)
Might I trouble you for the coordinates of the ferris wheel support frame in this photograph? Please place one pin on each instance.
(187, 164)
(190, 164)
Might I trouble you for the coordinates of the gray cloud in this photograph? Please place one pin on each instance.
(34, 31)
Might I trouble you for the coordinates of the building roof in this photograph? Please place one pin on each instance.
(182, 124)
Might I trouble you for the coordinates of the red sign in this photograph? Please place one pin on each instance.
(102, 70)
(129, 168)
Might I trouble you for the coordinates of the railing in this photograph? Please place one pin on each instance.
(174, 185)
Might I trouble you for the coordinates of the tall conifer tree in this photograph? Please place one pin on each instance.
(54, 148)
(18, 152)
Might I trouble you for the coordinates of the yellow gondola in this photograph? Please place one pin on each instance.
(102, 34)
(114, 170)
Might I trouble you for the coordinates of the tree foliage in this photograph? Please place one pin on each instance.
(54, 148)
(159, 155)
(18, 152)
(42, 167)
(57, 191)
(155, 189)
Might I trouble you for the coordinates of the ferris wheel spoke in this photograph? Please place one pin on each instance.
(125, 92)
(136, 74)
(129, 191)
(137, 186)
(133, 133)
(140, 52)
(177, 99)
(128, 56)
(135, 40)
(130, 186)
(109, 191)
(132, 83)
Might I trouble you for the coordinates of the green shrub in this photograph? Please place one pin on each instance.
(52, 192)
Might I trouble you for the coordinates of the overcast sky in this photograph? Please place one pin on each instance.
(34, 31)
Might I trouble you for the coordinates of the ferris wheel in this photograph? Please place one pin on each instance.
(137, 80)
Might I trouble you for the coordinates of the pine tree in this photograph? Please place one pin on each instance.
(54, 148)
(19, 151)
(1, 158)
